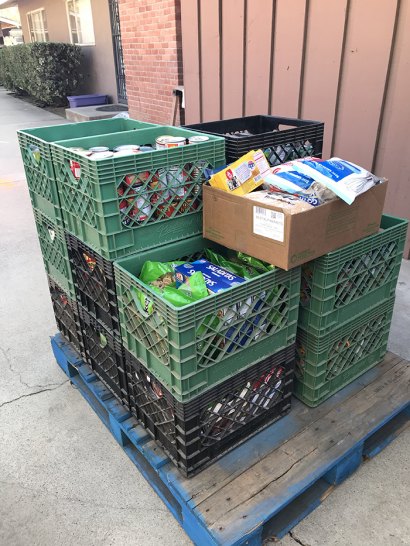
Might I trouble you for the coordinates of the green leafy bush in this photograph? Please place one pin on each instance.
(47, 71)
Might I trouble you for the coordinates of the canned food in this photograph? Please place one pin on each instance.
(134, 179)
(198, 170)
(90, 261)
(167, 209)
(134, 211)
(101, 155)
(146, 149)
(177, 178)
(126, 153)
(127, 148)
(140, 211)
(98, 149)
(197, 139)
(189, 205)
(168, 141)
(74, 165)
(159, 187)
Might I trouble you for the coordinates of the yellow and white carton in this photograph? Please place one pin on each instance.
(244, 175)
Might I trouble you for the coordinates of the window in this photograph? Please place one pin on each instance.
(37, 25)
(80, 22)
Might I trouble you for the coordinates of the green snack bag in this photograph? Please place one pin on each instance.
(151, 271)
(142, 301)
(195, 287)
(259, 265)
(236, 268)
(177, 297)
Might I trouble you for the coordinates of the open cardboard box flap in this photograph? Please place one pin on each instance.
(288, 240)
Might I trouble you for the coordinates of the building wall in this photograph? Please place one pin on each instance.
(98, 60)
(151, 38)
(344, 62)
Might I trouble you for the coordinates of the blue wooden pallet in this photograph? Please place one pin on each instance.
(267, 485)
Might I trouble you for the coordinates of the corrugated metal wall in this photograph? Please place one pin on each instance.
(345, 62)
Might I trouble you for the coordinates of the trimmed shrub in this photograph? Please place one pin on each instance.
(47, 71)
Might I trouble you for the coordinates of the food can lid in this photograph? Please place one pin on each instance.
(126, 147)
(198, 138)
(167, 139)
(98, 149)
(101, 155)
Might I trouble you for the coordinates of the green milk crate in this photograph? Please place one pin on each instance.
(35, 147)
(327, 363)
(190, 349)
(338, 286)
(103, 206)
(55, 254)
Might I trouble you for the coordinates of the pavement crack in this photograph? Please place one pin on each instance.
(13, 370)
(45, 389)
(296, 539)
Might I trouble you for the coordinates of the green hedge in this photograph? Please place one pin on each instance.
(47, 71)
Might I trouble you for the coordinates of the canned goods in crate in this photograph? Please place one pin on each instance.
(177, 177)
(159, 187)
(167, 209)
(197, 170)
(131, 148)
(136, 180)
(134, 211)
(98, 149)
(189, 205)
(197, 139)
(100, 155)
(75, 167)
(168, 141)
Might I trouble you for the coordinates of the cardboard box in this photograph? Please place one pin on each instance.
(287, 240)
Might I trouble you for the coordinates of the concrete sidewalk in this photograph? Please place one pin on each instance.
(63, 478)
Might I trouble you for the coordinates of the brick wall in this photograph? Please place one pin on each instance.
(151, 38)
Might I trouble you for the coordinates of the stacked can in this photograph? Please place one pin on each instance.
(347, 299)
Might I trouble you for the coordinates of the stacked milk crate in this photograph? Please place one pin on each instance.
(347, 295)
(346, 307)
(201, 377)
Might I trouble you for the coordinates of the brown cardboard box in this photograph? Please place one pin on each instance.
(287, 240)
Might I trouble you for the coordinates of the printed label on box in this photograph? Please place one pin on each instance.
(269, 223)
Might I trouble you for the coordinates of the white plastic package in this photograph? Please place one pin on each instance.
(286, 178)
(344, 178)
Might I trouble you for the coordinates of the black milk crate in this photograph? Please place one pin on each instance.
(105, 354)
(197, 432)
(94, 283)
(281, 139)
(66, 315)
